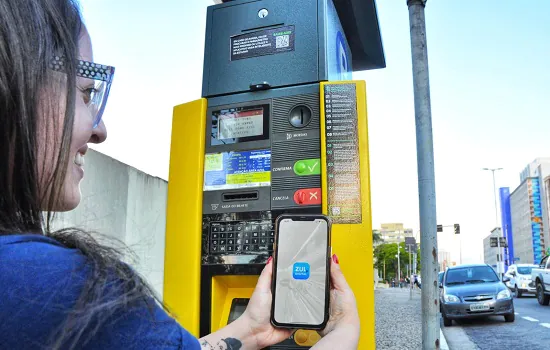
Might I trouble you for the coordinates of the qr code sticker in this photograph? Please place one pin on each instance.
(282, 41)
(335, 211)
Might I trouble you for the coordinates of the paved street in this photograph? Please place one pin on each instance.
(398, 319)
(531, 329)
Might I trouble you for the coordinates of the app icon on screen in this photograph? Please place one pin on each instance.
(300, 271)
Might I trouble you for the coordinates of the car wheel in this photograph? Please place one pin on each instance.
(510, 317)
(446, 321)
(542, 298)
(517, 292)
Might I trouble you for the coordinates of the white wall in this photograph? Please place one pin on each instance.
(127, 204)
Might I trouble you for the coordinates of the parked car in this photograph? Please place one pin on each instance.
(520, 279)
(471, 291)
(541, 278)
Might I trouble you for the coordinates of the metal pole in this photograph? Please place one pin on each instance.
(460, 243)
(495, 194)
(410, 274)
(426, 175)
(499, 254)
(398, 265)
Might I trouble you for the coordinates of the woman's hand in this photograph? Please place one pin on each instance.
(258, 312)
(253, 329)
(343, 327)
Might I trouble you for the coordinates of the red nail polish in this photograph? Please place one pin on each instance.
(269, 260)
(335, 259)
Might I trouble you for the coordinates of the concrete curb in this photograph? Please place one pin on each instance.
(442, 341)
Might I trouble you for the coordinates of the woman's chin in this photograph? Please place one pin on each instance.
(71, 200)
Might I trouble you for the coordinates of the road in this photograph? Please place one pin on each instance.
(531, 329)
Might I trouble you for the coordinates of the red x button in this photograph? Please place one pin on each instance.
(308, 196)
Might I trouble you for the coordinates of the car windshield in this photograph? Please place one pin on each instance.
(441, 277)
(524, 270)
(475, 274)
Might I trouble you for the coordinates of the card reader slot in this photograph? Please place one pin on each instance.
(240, 196)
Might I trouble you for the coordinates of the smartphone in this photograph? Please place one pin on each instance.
(301, 266)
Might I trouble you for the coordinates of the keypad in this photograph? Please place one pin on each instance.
(241, 237)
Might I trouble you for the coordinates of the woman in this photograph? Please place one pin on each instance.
(61, 289)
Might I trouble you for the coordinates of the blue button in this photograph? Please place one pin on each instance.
(300, 271)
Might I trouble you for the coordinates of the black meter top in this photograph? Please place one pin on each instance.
(253, 45)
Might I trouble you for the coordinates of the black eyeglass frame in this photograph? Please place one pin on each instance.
(89, 70)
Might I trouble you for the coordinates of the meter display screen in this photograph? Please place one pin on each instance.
(234, 170)
(240, 124)
(235, 125)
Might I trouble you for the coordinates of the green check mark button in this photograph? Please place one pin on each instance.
(306, 167)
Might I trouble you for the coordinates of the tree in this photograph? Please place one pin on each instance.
(376, 237)
(386, 254)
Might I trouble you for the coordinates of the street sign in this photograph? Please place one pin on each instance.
(494, 242)
(411, 248)
(410, 240)
(439, 228)
(457, 229)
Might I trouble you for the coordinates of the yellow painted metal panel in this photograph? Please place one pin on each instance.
(224, 290)
(182, 262)
(353, 242)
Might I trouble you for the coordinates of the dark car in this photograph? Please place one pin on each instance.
(470, 291)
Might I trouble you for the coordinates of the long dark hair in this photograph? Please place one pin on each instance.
(31, 33)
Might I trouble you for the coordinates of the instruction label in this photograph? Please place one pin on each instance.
(261, 43)
(342, 147)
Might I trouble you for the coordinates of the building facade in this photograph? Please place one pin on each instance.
(491, 254)
(444, 260)
(395, 232)
(540, 169)
(526, 207)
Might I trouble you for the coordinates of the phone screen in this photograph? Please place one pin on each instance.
(301, 272)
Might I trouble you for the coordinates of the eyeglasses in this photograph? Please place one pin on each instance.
(103, 78)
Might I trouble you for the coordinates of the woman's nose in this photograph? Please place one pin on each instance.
(99, 134)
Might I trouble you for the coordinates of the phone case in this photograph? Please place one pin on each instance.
(305, 217)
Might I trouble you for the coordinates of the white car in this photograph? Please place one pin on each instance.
(520, 279)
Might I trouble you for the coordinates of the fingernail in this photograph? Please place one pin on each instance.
(269, 260)
(335, 259)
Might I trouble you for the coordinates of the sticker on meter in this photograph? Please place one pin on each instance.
(300, 271)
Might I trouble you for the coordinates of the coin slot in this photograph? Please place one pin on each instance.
(300, 116)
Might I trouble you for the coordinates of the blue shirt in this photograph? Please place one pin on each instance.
(40, 281)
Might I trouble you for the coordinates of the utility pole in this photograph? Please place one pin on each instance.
(398, 265)
(410, 274)
(499, 254)
(426, 175)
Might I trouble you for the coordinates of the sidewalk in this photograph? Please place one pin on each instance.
(399, 320)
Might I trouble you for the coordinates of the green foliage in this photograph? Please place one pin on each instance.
(388, 253)
(376, 237)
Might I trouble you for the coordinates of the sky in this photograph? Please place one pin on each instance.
(489, 82)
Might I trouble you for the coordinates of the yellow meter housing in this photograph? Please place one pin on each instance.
(261, 143)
